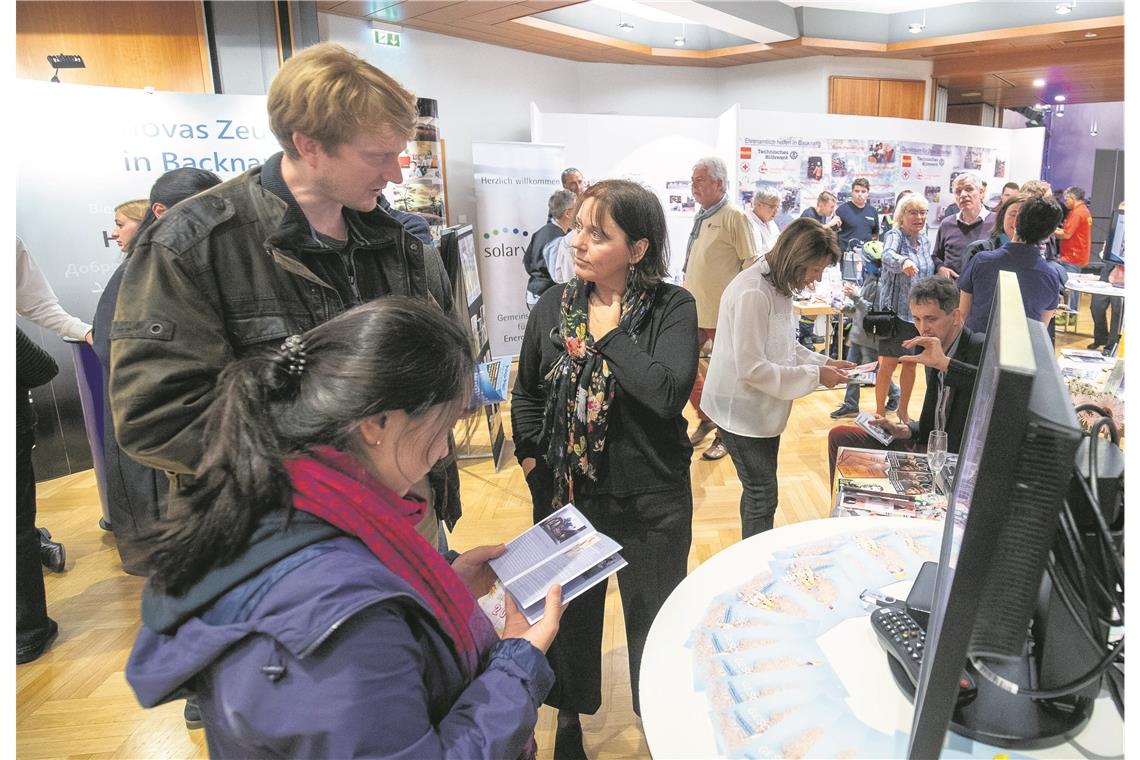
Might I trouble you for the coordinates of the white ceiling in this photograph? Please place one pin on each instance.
(875, 6)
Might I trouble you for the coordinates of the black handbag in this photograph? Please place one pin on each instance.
(881, 324)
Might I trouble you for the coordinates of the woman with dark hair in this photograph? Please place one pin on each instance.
(136, 494)
(291, 592)
(605, 369)
(757, 368)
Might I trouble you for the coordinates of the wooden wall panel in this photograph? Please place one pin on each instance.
(124, 44)
(970, 113)
(850, 95)
(902, 98)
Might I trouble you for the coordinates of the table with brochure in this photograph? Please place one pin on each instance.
(766, 650)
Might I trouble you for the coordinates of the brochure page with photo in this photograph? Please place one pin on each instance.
(564, 548)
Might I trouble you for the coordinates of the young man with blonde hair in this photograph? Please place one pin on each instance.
(271, 253)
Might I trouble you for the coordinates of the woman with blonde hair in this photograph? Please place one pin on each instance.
(906, 260)
(128, 216)
(757, 368)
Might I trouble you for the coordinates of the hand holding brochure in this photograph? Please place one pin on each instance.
(564, 548)
(864, 373)
(880, 435)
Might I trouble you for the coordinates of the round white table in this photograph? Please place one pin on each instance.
(677, 719)
(1096, 287)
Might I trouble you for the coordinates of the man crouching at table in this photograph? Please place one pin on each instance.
(951, 354)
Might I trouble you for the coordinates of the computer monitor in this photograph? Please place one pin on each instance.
(1014, 468)
(1114, 245)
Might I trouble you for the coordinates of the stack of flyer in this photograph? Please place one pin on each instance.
(565, 549)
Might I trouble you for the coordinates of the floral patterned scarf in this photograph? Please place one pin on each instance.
(582, 387)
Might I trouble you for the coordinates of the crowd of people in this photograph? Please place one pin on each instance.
(284, 366)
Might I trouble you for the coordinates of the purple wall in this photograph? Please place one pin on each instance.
(1070, 150)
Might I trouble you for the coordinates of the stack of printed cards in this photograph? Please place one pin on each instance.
(772, 692)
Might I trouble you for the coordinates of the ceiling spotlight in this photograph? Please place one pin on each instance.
(1064, 9)
(1060, 111)
(1089, 35)
(625, 26)
(1059, 98)
(971, 94)
(679, 41)
(1038, 82)
(918, 26)
(1093, 131)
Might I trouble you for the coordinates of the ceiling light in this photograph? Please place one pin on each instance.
(1059, 98)
(971, 94)
(1093, 131)
(1089, 35)
(1038, 82)
(625, 26)
(1065, 9)
(1060, 111)
(679, 41)
(915, 28)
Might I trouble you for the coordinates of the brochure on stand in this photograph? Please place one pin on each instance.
(564, 548)
(491, 382)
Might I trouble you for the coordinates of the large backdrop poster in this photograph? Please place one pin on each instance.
(81, 151)
(799, 169)
(800, 155)
(513, 183)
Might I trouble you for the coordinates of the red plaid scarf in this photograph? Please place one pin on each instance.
(337, 488)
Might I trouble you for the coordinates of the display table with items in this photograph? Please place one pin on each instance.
(898, 483)
(1091, 283)
(767, 650)
(831, 316)
(996, 631)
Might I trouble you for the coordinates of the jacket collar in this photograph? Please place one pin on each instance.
(294, 231)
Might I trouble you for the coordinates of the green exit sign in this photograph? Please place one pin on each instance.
(388, 39)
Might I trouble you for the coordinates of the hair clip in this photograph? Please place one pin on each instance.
(292, 355)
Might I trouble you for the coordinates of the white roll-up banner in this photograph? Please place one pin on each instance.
(513, 184)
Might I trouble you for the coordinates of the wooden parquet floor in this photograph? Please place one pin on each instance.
(75, 703)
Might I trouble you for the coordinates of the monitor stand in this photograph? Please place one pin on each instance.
(1010, 720)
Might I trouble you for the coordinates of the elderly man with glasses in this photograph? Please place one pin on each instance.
(762, 216)
(972, 222)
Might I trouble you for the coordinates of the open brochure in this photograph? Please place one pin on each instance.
(864, 374)
(564, 548)
(491, 379)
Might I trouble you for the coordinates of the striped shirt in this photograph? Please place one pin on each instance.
(894, 290)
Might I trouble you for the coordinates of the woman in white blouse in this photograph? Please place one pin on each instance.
(757, 368)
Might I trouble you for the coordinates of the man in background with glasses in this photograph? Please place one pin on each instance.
(972, 222)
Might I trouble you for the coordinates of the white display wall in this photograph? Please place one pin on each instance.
(777, 149)
(657, 151)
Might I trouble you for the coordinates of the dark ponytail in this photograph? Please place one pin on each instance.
(173, 187)
(393, 354)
